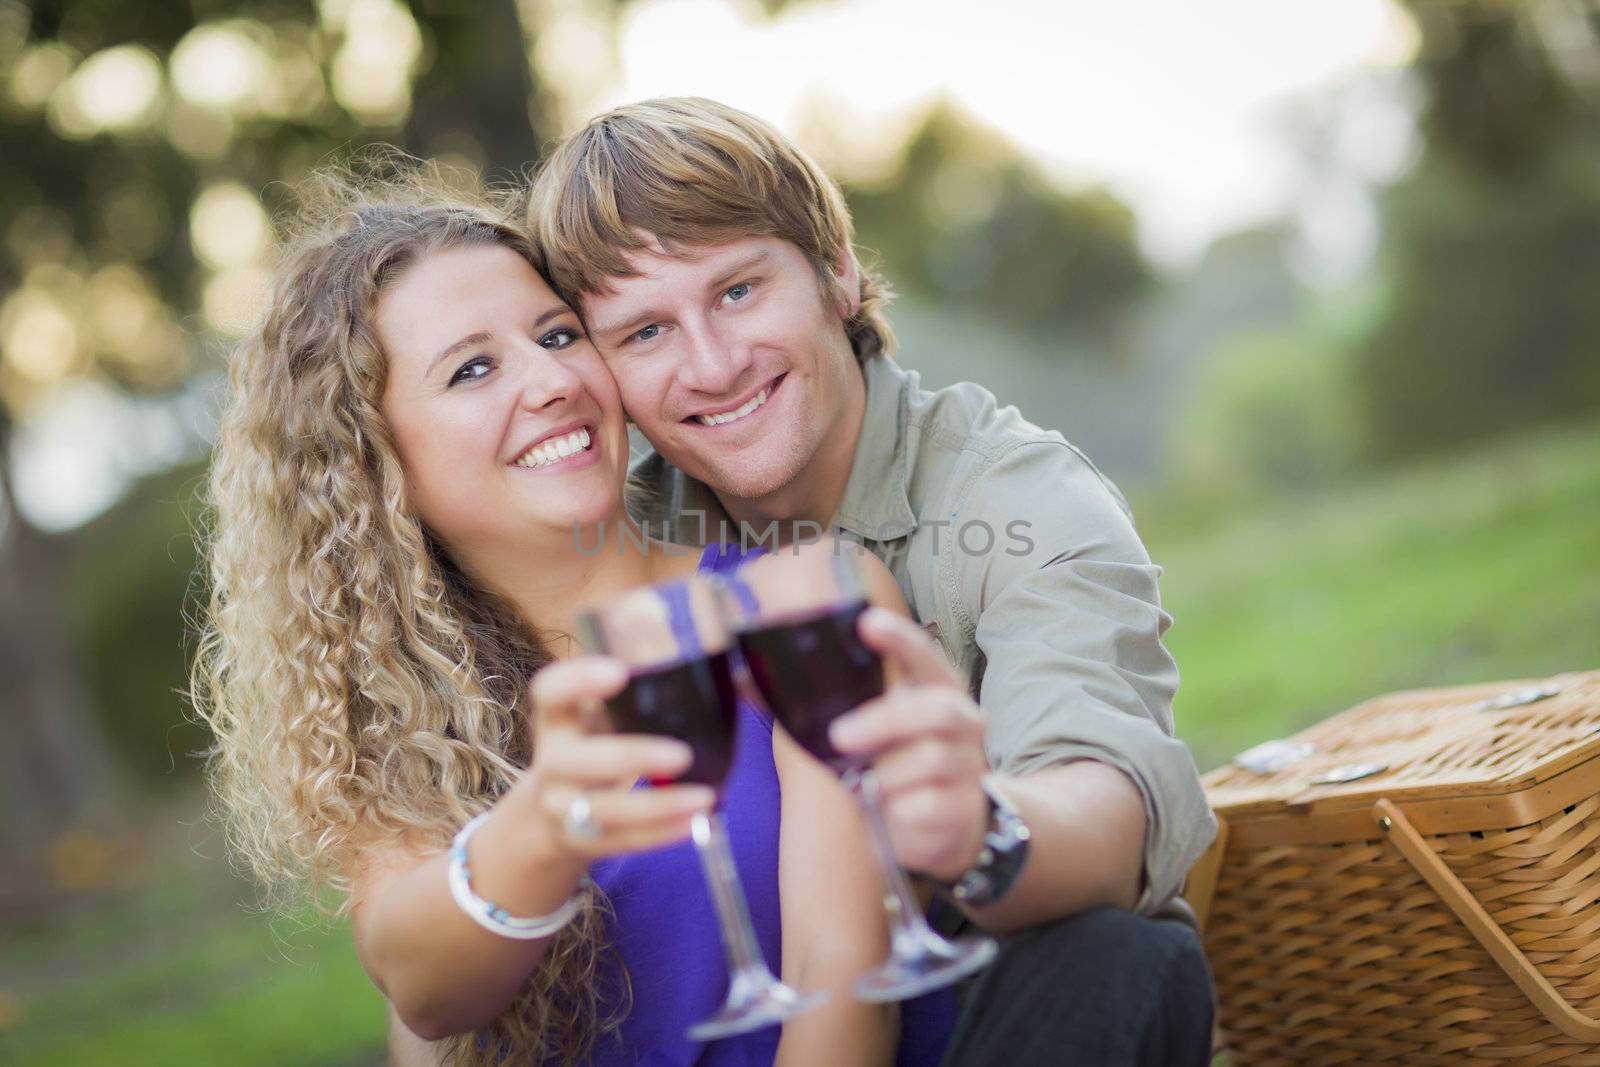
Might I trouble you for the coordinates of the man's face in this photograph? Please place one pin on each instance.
(730, 359)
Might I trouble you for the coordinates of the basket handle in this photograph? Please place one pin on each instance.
(1551, 1004)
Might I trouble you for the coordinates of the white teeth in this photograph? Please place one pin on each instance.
(548, 452)
(737, 413)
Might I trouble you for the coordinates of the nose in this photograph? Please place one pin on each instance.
(713, 364)
(546, 380)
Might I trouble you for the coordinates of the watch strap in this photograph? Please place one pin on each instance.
(1000, 859)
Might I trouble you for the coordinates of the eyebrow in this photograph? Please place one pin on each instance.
(644, 318)
(738, 267)
(482, 336)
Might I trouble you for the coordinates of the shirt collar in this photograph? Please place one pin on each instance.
(875, 504)
(695, 498)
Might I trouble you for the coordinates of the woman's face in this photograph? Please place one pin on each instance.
(508, 424)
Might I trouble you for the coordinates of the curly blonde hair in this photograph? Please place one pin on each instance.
(360, 688)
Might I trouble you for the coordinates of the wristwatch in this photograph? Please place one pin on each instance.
(1000, 861)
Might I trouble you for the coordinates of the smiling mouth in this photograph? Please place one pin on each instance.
(555, 449)
(749, 407)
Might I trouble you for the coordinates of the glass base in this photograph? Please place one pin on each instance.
(933, 964)
(753, 1003)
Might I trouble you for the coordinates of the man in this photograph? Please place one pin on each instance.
(713, 265)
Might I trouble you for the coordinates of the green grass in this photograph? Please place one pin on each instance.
(1477, 569)
(176, 974)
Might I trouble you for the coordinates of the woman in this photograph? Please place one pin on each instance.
(420, 444)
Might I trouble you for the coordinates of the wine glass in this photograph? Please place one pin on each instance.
(676, 646)
(795, 613)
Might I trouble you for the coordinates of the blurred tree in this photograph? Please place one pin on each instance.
(966, 219)
(1492, 244)
(138, 139)
(131, 578)
(1271, 414)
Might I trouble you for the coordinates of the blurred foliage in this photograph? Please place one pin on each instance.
(965, 219)
(1492, 244)
(1270, 416)
(1273, 412)
(134, 582)
(119, 118)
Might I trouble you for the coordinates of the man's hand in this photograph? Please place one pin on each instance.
(925, 738)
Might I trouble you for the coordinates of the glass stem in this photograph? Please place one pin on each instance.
(746, 965)
(909, 931)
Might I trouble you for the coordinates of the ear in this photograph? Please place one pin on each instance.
(847, 277)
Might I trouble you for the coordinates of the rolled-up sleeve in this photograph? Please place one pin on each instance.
(1065, 610)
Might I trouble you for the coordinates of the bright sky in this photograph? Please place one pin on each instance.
(1175, 105)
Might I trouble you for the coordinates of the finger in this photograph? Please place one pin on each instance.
(646, 837)
(616, 810)
(593, 718)
(929, 761)
(589, 760)
(937, 831)
(564, 693)
(907, 714)
(628, 820)
(917, 657)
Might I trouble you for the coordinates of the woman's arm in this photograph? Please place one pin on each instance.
(406, 1049)
(833, 921)
(443, 973)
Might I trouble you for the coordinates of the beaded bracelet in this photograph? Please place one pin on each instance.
(491, 916)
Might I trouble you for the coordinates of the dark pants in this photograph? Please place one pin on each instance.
(1105, 988)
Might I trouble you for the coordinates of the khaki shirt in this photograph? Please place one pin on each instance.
(1022, 560)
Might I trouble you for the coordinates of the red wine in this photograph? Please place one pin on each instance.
(812, 670)
(695, 702)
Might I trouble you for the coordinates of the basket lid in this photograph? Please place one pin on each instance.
(1466, 741)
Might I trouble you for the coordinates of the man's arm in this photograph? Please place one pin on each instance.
(1077, 691)
(1086, 820)
(1070, 624)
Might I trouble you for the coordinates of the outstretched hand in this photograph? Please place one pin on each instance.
(577, 759)
(925, 738)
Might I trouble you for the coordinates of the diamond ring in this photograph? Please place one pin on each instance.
(579, 822)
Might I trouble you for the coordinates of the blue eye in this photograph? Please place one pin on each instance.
(649, 333)
(559, 338)
(738, 292)
(472, 370)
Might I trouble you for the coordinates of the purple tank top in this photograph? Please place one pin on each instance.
(664, 925)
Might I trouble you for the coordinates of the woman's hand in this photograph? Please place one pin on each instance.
(443, 973)
(578, 763)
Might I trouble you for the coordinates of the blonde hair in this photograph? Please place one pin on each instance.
(360, 689)
(690, 172)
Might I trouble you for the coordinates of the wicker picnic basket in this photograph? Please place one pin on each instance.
(1414, 881)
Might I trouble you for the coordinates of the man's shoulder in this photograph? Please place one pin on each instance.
(976, 453)
(967, 417)
(963, 428)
